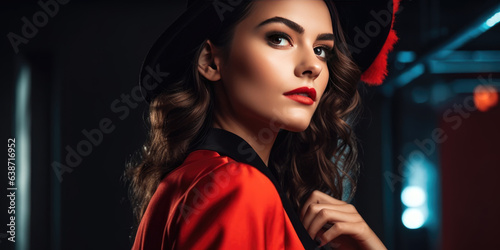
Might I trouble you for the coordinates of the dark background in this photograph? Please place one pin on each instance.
(88, 56)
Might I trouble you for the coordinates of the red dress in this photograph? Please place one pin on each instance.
(221, 197)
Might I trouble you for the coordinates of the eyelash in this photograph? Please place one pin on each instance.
(273, 35)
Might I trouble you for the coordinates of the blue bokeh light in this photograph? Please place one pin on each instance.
(413, 218)
(406, 56)
(413, 196)
(492, 21)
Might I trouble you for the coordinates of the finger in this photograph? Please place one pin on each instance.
(318, 197)
(356, 230)
(313, 209)
(326, 198)
(329, 216)
(344, 242)
(311, 212)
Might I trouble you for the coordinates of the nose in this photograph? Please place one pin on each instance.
(309, 65)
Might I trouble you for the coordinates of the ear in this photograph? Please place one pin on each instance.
(209, 62)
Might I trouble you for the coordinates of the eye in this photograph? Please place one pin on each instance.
(279, 39)
(323, 52)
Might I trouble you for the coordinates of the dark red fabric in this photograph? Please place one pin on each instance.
(214, 202)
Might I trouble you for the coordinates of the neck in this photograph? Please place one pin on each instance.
(260, 138)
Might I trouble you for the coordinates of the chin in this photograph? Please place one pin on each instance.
(291, 119)
(296, 120)
(297, 125)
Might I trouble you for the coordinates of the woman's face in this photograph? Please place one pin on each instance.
(276, 71)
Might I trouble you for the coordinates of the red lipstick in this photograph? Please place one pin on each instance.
(302, 95)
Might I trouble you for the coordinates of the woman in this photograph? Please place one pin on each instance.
(249, 145)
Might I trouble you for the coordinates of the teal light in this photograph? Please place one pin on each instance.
(477, 29)
(23, 165)
(406, 56)
(420, 94)
(440, 92)
(410, 75)
(413, 196)
(492, 21)
(413, 218)
(420, 65)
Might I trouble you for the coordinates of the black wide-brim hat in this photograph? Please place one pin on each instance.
(367, 25)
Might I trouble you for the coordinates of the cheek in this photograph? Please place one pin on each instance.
(322, 82)
(255, 76)
(259, 67)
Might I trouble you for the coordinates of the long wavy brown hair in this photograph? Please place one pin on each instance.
(323, 157)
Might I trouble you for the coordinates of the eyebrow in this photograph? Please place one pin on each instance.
(294, 26)
(325, 36)
(291, 24)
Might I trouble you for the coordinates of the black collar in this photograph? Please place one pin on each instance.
(228, 144)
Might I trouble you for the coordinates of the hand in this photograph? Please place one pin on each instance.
(349, 230)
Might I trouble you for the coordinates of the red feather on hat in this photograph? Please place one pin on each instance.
(376, 73)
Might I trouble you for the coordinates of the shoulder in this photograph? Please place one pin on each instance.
(231, 190)
(230, 205)
(210, 186)
(206, 170)
(237, 178)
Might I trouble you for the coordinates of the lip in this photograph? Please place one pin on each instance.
(295, 95)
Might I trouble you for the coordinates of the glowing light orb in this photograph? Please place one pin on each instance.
(413, 196)
(485, 97)
(413, 218)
